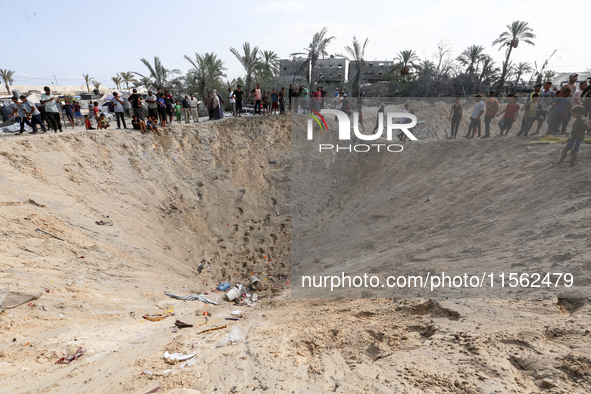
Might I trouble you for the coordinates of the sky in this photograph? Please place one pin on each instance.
(48, 42)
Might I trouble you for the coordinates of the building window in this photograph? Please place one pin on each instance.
(381, 64)
(320, 75)
(380, 73)
(339, 75)
(370, 64)
(340, 66)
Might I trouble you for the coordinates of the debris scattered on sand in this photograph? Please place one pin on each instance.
(176, 357)
(192, 297)
(42, 232)
(68, 359)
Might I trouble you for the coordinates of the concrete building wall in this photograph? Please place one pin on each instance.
(290, 68)
(331, 70)
(376, 70)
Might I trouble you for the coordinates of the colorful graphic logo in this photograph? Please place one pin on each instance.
(316, 118)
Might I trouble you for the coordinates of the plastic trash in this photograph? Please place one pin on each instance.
(255, 283)
(234, 336)
(192, 297)
(176, 357)
(189, 363)
(232, 294)
(69, 359)
(224, 286)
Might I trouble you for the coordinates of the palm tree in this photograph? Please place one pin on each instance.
(207, 70)
(96, 84)
(6, 76)
(549, 75)
(143, 81)
(356, 53)
(117, 79)
(516, 31)
(127, 78)
(405, 62)
(471, 57)
(269, 64)
(160, 75)
(522, 68)
(315, 49)
(88, 80)
(426, 68)
(251, 61)
(489, 71)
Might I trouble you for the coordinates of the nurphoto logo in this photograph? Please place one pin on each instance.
(400, 121)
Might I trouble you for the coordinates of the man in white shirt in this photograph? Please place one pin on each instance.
(577, 96)
(475, 117)
(118, 103)
(31, 111)
(152, 105)
(22, 115)
(194, 107)
(232, 101)
(51, 111)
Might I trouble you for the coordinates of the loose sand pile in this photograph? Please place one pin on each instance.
(220, 192)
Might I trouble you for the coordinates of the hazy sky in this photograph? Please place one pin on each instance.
(41, 39)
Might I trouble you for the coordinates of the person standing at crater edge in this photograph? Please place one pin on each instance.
(51, 110)
(136, 103)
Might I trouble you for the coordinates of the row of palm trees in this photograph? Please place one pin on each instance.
(473, 61)
(207, 70)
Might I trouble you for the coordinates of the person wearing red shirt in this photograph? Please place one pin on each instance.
(510, 115)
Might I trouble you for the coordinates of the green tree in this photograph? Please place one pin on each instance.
(489, 71)
(7, 78)
(520, 69)
(471, 57)
(161, 76)
(207, 71)
(143, 81)
(516, 32)
(117, 80)
(96, 84)
(88, 80)
(315, 49)
(127, 78)
(269, 65)
(549, 75)
(356, 53)
(405, 62)
(250, 60)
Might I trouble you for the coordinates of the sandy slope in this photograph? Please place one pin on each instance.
(220, 192)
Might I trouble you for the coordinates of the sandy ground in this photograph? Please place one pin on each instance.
(219, 192)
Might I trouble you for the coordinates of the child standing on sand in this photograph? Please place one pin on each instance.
(579, 127)
(177, 111)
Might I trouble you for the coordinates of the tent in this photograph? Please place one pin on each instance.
(107, 95)
(34, 97)
(563, 78)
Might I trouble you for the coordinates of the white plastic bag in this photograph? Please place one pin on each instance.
(234, 336)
